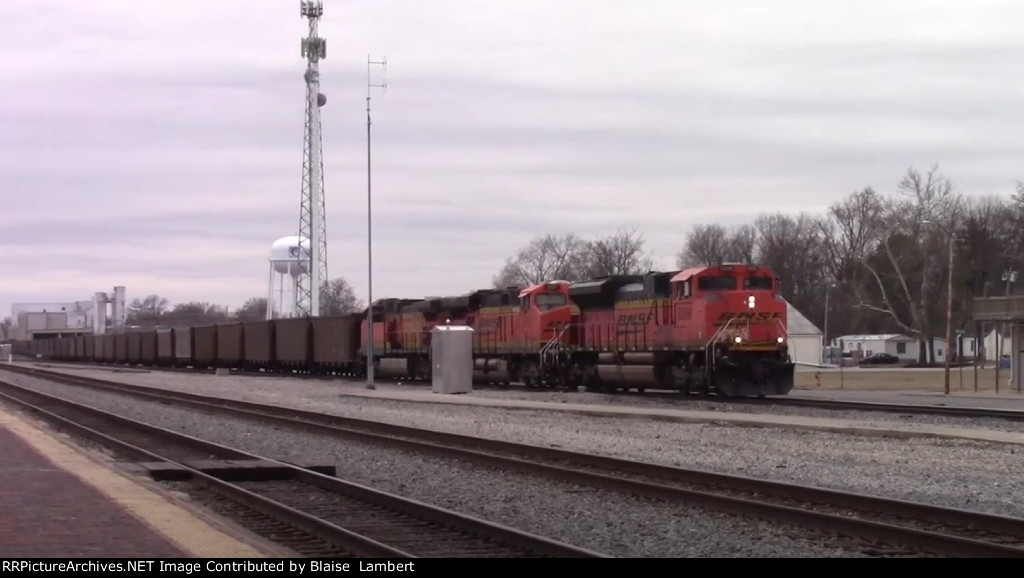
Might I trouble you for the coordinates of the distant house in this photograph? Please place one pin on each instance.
(1001, 340)
(906, 348)
(805, 339)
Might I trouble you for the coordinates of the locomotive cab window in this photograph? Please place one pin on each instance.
(550, 301)
(716, 283)
(684, 290)
(757, 283)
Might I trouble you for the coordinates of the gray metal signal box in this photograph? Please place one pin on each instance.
(451, 358)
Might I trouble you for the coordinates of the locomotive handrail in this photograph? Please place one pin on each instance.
(718, 334)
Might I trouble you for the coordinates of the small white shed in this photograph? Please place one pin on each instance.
(805, 339)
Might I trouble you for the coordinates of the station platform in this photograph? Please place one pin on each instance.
(60, 502)
(835, 425)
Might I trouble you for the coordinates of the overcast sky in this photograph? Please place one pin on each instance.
(160, 148)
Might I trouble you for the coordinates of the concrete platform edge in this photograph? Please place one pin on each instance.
(199, 533)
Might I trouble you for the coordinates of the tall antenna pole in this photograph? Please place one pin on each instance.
(312, 217)
(369, 222)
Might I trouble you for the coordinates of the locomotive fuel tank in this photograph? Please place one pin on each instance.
(392, 367)
(491, 370)
(628, 375)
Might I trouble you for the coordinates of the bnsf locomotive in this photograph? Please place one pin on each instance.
(719, 329)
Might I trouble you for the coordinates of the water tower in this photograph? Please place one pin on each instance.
(286, 266)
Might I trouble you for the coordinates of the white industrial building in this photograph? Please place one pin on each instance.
(805, 339)
(906, 348)
(34, 320)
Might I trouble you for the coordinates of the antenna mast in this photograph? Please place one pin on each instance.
(312, 218)
(369, 222)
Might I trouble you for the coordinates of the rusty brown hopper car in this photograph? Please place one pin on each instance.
(335, 343)
(164, 346)
(182, 346)
(147, 356)
(259, 344)
(230, 345)
(204, 346)
(89, 352)
(108, 348)
(134, 342)
(120, 348)
(293, 340)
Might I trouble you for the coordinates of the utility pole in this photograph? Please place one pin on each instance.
(369, 223)
(949, 302)
(828, 344)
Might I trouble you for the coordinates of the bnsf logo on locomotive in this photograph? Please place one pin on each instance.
(635, 318)
(749, 316)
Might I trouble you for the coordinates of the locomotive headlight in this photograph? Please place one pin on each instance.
(750, 302)
(780, 340)
(739, 339)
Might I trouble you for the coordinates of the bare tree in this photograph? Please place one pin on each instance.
(621, 253)
(254, 309)
(742, 247)
(337, 297)
(794, 249)
(713, 243)
(148, 307)
(908, 254)
(194, 313)
(705, 245)
(546, 258)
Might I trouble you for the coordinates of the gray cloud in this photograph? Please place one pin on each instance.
(164, 152)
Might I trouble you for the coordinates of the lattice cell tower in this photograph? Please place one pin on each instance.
(312, 218)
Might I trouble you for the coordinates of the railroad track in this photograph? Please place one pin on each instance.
(312, 513)
(932, 529)
(675, 397)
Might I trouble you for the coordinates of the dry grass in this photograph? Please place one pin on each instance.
(857, 379)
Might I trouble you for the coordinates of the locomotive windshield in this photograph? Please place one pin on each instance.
(757, 283)
(716, 283)
(550, 300)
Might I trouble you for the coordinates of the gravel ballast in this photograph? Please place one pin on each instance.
(609, 522)
(294, 391)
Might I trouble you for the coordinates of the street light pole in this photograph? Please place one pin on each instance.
(949, 312)
(369, 230)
